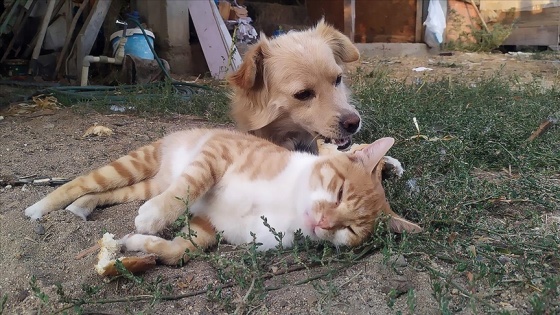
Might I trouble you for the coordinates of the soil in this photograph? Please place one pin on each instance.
(539, 68)
(50, 143)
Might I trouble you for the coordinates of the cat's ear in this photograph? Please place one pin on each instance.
(371, 154)
(399, 225)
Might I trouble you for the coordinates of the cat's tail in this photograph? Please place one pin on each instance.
(130, 169)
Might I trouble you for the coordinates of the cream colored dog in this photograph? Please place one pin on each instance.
(289, 89)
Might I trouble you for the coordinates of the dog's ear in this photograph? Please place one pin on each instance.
(343, 49)
(250, 72)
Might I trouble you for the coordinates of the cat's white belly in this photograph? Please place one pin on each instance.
(236, 206)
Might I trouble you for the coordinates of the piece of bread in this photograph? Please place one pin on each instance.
(330, 148)
(108, 249)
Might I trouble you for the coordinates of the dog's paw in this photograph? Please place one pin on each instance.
(392, 168)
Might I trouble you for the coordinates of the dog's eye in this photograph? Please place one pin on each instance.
(349, 228)
(338, 80)
(304, 95)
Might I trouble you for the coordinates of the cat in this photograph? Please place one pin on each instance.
(230, 180)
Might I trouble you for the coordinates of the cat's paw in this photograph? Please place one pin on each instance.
(392, 167)
(136, 242)
(79, 211)
(35, 212)
(149, 220)
(83, 206)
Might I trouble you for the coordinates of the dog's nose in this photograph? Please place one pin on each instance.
(350, 122)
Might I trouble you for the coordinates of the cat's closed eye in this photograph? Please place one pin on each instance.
(339, 197)
(349, 228)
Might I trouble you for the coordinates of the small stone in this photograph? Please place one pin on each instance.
(21, 295)
(39, 229)
(8, 186)
(398, 261)
(24, 188)
(504, 259)
(454, 291)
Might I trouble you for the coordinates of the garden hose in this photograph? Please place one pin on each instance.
(123, 93)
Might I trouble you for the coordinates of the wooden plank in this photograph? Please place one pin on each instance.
(214, 38)
(518, 5)
(534, 36)
(547, 16)
(418, 36)
(87, 35)
(377, 19)
(532, 28)
(41, 37)
(332, 10)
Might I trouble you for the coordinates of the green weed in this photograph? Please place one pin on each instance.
(485, 197)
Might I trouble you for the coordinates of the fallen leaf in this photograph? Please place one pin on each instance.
(41, 102)
(452, 237)
(185, 283)
(470, 276)
(98, 130)
(444, 138)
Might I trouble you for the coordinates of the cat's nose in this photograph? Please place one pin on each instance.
(350, 123)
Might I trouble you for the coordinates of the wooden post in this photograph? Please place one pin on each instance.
(214, 38)
(71, 28)
(41, 36)
(89, 31)
(419, 21)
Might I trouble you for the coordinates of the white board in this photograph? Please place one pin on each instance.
(214, 38)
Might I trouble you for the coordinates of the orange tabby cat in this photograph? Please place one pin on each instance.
(231, 180)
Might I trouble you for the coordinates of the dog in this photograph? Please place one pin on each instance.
(289, 89)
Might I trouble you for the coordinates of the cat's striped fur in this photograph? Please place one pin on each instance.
(230, 180)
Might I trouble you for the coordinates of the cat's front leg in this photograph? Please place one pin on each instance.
(165, 208)
(157, 213)
(199, 235)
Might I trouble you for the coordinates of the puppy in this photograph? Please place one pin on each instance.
(289, 89)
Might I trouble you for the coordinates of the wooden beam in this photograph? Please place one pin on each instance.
(214, 38)
(86, 38)
(419, 22)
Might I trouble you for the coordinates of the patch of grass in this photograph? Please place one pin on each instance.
(491, 233)
(211, 104)
(545, 55)
(488, 202)
(3, 301)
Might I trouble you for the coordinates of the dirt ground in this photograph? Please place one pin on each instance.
(51, 144)
(540, 68)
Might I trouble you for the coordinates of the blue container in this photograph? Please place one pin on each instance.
(136, 43)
